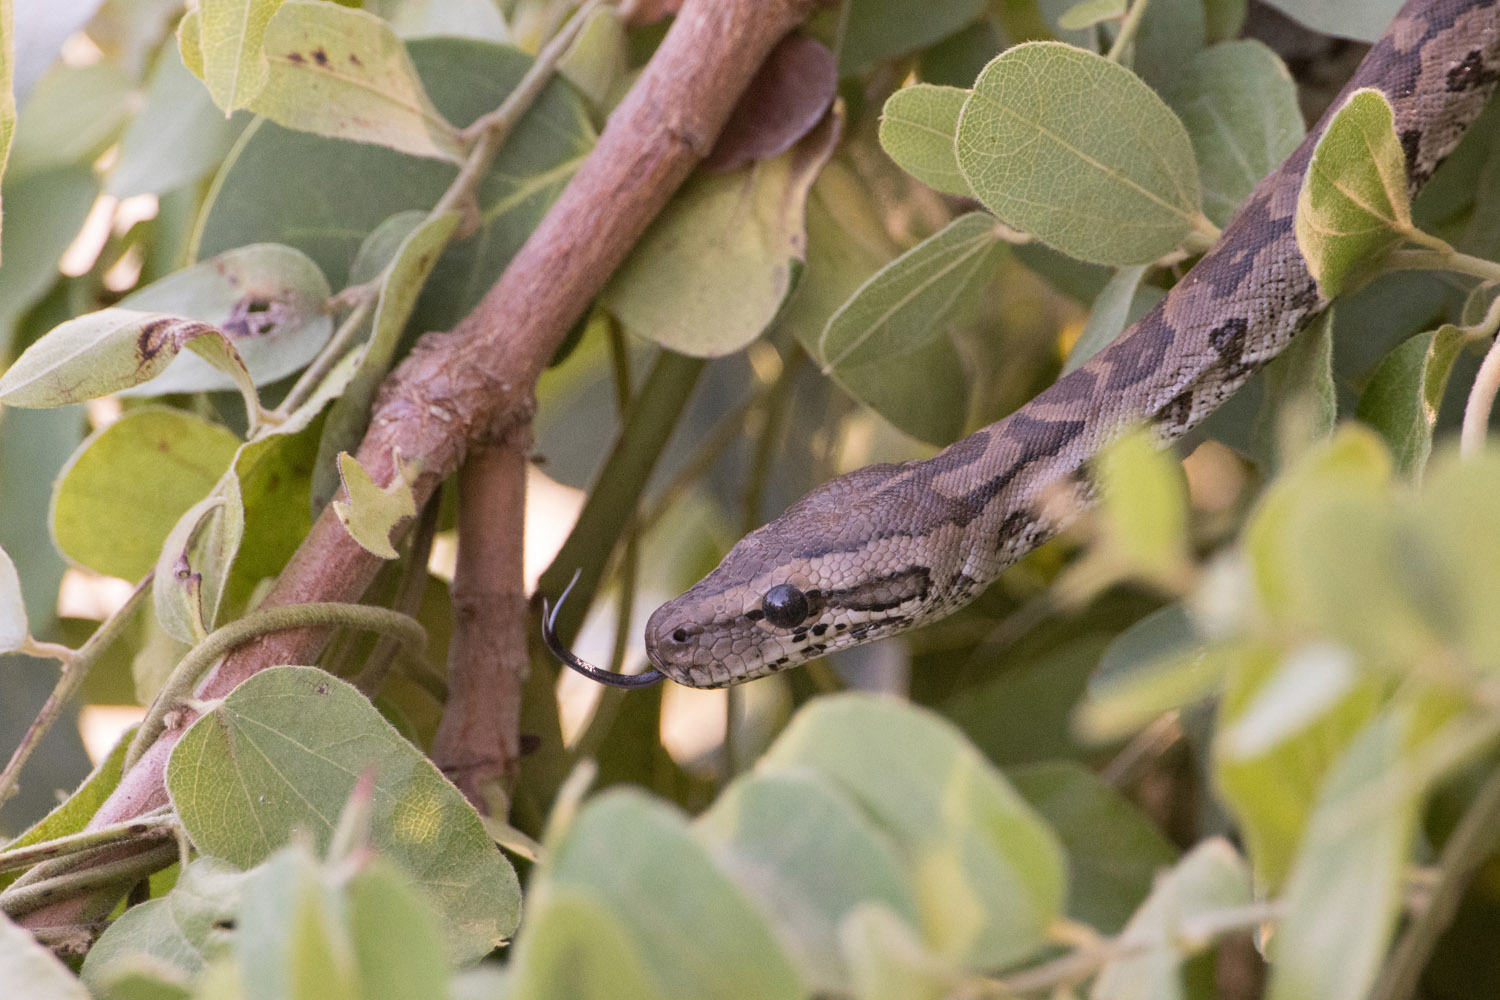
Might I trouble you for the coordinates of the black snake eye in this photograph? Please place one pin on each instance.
(785, 606)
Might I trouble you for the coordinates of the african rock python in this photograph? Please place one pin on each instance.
(889, 547)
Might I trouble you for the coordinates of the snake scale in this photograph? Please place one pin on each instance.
(889, 547)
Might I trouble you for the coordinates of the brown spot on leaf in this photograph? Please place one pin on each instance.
(295, 57)
(784, 102)
(355, 59)
(320, 56)
(320, 688)
(148, 343)
(253, 317)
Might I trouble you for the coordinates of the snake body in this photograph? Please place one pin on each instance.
(889, 547)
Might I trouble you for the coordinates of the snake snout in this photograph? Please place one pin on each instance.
(670, 639)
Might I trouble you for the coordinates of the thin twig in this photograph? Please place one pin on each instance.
(74, 670)
(144, 828)
(1128, 28)
(122, 872)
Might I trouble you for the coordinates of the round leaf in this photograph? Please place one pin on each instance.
(283, 751)
(916, 130)
(1072, 148)
(125, 488)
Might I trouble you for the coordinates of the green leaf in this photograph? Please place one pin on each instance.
(889, 962)
(401, 283)
(924, 394)
(716, 265)
(1456, 580)
(1113, 851)
(1068, 146)
(345, 191)
(917, 128)
(43, 214)
(988, 874)
(1088, 13)
(904, 305)
(1309, 682)
(574, 947)
(103, 352)
(397, 950)
(292, 939)
(1210, 878)
(1344, 893)
(372, 512)
(269, 301)
(283, 752)
(703, 939)
(178, 136)
(806, 856)
(1404, 395)
(125, 488)
(13, 628)
(1364, 20)
(180, 932)
(1143, 509)
(228, 36)
(1272, 794)
(345, 74)
(1122, 301)
(192, 571)
(7, 85)
(71, 116)
(1239, 105)
(1353, 208)
(598, 61)
(1300, 407)
(878, 29)
(28, 969)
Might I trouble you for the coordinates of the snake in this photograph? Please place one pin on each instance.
(890, 547)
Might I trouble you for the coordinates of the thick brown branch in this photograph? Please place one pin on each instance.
(476, 382)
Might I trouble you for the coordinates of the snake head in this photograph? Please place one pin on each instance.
(858, 559)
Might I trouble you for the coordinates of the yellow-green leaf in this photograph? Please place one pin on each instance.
(345, 74)
(1070, 147)
(917, 128)
(1402, 398)
(228, 36)
(1353, 209)
(372, 512)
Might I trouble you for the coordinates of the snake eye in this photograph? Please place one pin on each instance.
(785, 606)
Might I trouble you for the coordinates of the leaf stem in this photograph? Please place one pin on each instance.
(185, 675)
(143, 828)
(332, 351)
(1128, 29)
(75, 667)
(16, 901)
(1486, 383)
(1468, 847)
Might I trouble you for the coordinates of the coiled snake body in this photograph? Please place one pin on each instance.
(889, 547)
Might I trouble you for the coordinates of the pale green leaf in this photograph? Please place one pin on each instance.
(291, 937)
(345, 74)
(193, 568)
(716, 265)
(397, 950)
(1345, 891)
(1122, 301)
(989, 875)
(599, 59)
(283, 753)
(1210, 878)
(269, 301)
(401, 283)
(1239, 105)
(1088, 13)
(917, 127)
(463, 18)
(1309, 681)
(1353, 208)
(27, 969)
(1457, 580)
(228, 35)
(888, 961)
(71, 116)
(1143, 509)
(179, 135)
(125, 488)
(372, 512)
(182, 931)
(806, 856)
(13, 627)
(573, 946)
(1300, 407)
(1363, 20)
(905, 304)
(43, 214)
(1402, 398)
(1114, 851)
(1070, 147)
(1272, 795)
(100, 353)
(703, 939)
